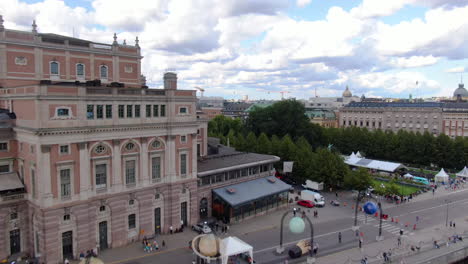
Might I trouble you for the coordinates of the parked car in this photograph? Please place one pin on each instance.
(201, 228)
(335, 202)
(306, 203)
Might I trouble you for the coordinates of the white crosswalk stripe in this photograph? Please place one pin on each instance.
(362, 218)
(390, 228)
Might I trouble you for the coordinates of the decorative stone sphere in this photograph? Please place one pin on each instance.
(370, 208)
(296, 225)
(208, 245)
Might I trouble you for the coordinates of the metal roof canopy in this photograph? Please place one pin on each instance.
(251, 190)
(10, 181)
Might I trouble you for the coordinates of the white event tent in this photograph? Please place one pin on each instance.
(231, 246)
(463, 173)
(442, 176)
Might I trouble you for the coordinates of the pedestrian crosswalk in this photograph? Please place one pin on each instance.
(362, 218)
(389, 228)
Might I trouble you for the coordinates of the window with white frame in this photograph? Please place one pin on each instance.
(80, 71)
(130, 172)
(101, 176)
(65, 183)
(183, 139)
(5, 167)
(103, 71)
(156, 168)
(3, 146)
(183, 110)
(183, 164)
(63, 112)
(64, 149)
(54, 68)
(156, 144)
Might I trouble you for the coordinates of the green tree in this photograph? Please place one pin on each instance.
(240, 142)
(251, 142)
(287, 149)
(303, 166)
(264, 144)
(275, 145)
(329, 168)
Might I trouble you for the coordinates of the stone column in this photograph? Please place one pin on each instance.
(194, 155)
(85, 172)
(170, 158)
(43, 178)
(144, 171)
(116, 167)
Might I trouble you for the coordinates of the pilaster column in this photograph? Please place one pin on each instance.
(43, 177)
(116, 167)
(85, 172)
(144, 172)
(171, 158)
(194, 155)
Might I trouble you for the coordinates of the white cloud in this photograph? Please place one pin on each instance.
(414, 61)
(302, 3)
(456, 70)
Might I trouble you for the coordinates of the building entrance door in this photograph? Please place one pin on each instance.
(157, 220)
(103, 235)
(183, 213)
(15, 241)
(67, 245)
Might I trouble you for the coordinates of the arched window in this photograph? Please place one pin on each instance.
(80, 70)
(54, 68)
(104, 71)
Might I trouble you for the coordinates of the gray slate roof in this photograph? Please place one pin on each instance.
(10, 181)
(233, 160)
(251, 190)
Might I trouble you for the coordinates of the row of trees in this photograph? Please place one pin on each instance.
(288, 117)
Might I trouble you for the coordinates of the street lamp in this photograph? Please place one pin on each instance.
(296, 225)
(446, 215)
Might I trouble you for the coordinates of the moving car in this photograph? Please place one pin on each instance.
(305, 203)
(201, 228)
(315, 197)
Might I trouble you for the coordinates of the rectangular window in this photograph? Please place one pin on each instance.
(130, 172)
(64, 149)
(137, 110)
(121, 111)
(183, 164)
(183, 110)
(129, 111)
(155, 110)
(101, 176)
(163, 110)
(33, 183)
(148, 110)
(131, 221)
(3, 146)
(183, 139)
(65, 183)
(4, 168)
(108, 111)
(80, 70)
(63, 112)
(90, 111)
(156, 168)
(99, 111)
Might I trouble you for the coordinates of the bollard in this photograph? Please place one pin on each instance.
(396, 220)
(376, 214)
(414, 227)
(392, 219)
(406, 224)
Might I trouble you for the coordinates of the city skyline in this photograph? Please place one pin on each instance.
(378, 48)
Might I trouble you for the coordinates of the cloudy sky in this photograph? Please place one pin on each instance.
(260, 47)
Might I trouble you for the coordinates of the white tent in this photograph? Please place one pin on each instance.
(358, 154)
(463, 173)
(231, 246)
(407, 175)
(442, 176)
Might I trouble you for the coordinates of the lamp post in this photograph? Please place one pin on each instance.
(380, 236)
(446, 214)
(280, 248)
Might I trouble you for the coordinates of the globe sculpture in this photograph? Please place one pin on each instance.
(296, 225)
(370, 208)
(209, 245)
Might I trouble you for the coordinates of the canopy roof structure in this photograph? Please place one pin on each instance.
(10, 181)
(442, 176)
(463, 173)
(355, 160)
(231, 246)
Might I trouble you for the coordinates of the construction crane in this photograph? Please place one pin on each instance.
(201, 90)
(281, 92)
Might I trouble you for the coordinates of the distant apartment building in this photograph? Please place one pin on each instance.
(236, 109)
(90, 157)
(322, 117)
(332, 103)
(450, 118)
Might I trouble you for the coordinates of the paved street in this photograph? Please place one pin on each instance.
(263, 232)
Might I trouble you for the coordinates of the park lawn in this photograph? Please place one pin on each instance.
(452, 175)
(403, 189)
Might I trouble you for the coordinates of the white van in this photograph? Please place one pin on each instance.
(314, 197)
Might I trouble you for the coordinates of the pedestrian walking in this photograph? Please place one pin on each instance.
(399, 241)
(385, 257)
(453, 224)
(336, 194)
(294, 212)
(171, 230)
(315, 248)
(66, 261)
(360, 242)
(401, 232)
(450, 223)
(339, 237)
(163, 243)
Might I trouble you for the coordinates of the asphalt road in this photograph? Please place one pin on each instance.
(332, 220)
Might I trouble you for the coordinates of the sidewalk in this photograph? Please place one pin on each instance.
(422, 238)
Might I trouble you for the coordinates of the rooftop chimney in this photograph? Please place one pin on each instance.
(170, 81)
